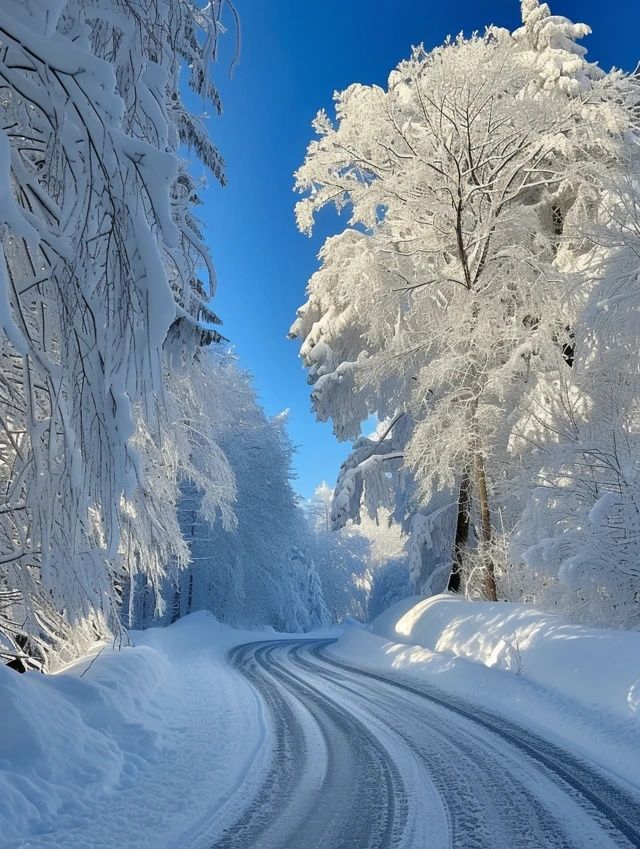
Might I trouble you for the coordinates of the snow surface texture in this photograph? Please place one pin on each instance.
(146, 747)
(580, 684)
(375, 760)
(590, 664)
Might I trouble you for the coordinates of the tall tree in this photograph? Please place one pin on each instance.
(577, 436)
(443, 296)
(99, 257)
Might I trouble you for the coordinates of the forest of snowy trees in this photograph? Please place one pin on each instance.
(257, 568)
(482, 301)
(202, 642)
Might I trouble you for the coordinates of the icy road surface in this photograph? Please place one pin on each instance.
(364, 760)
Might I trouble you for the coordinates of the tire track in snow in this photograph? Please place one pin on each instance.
(610, 802)
(355, 800)
(370, 761)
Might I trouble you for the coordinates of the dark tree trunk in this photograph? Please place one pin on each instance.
(190, 595)
(488, 581)
(175, 608)
(462, 532)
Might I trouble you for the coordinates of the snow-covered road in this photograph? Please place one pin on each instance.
(376, 760)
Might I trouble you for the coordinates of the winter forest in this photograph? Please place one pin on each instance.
(471, 332)
(140, 478)
(480, 300)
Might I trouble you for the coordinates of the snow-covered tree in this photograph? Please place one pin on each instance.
(256, 569)
(446, 295)
(100, 259)
(374, 478)
(576, 440)
(362, 564)
(186, 457)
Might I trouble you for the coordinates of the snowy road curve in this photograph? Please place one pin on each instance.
(364, 760)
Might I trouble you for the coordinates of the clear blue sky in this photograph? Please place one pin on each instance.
(294, 55)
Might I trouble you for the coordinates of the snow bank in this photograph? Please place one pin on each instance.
(66, 737)
(576, 686)
(160, 734)
(592, 665)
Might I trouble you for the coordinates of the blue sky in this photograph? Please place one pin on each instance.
(294, 55)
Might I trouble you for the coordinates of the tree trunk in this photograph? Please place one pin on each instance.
(488, 580)
(175, 608)
(190, 594)
(131, 623)
(462, 531)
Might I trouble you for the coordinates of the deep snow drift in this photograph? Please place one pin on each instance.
(591, 664)
(580, 685)
(151, 746)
